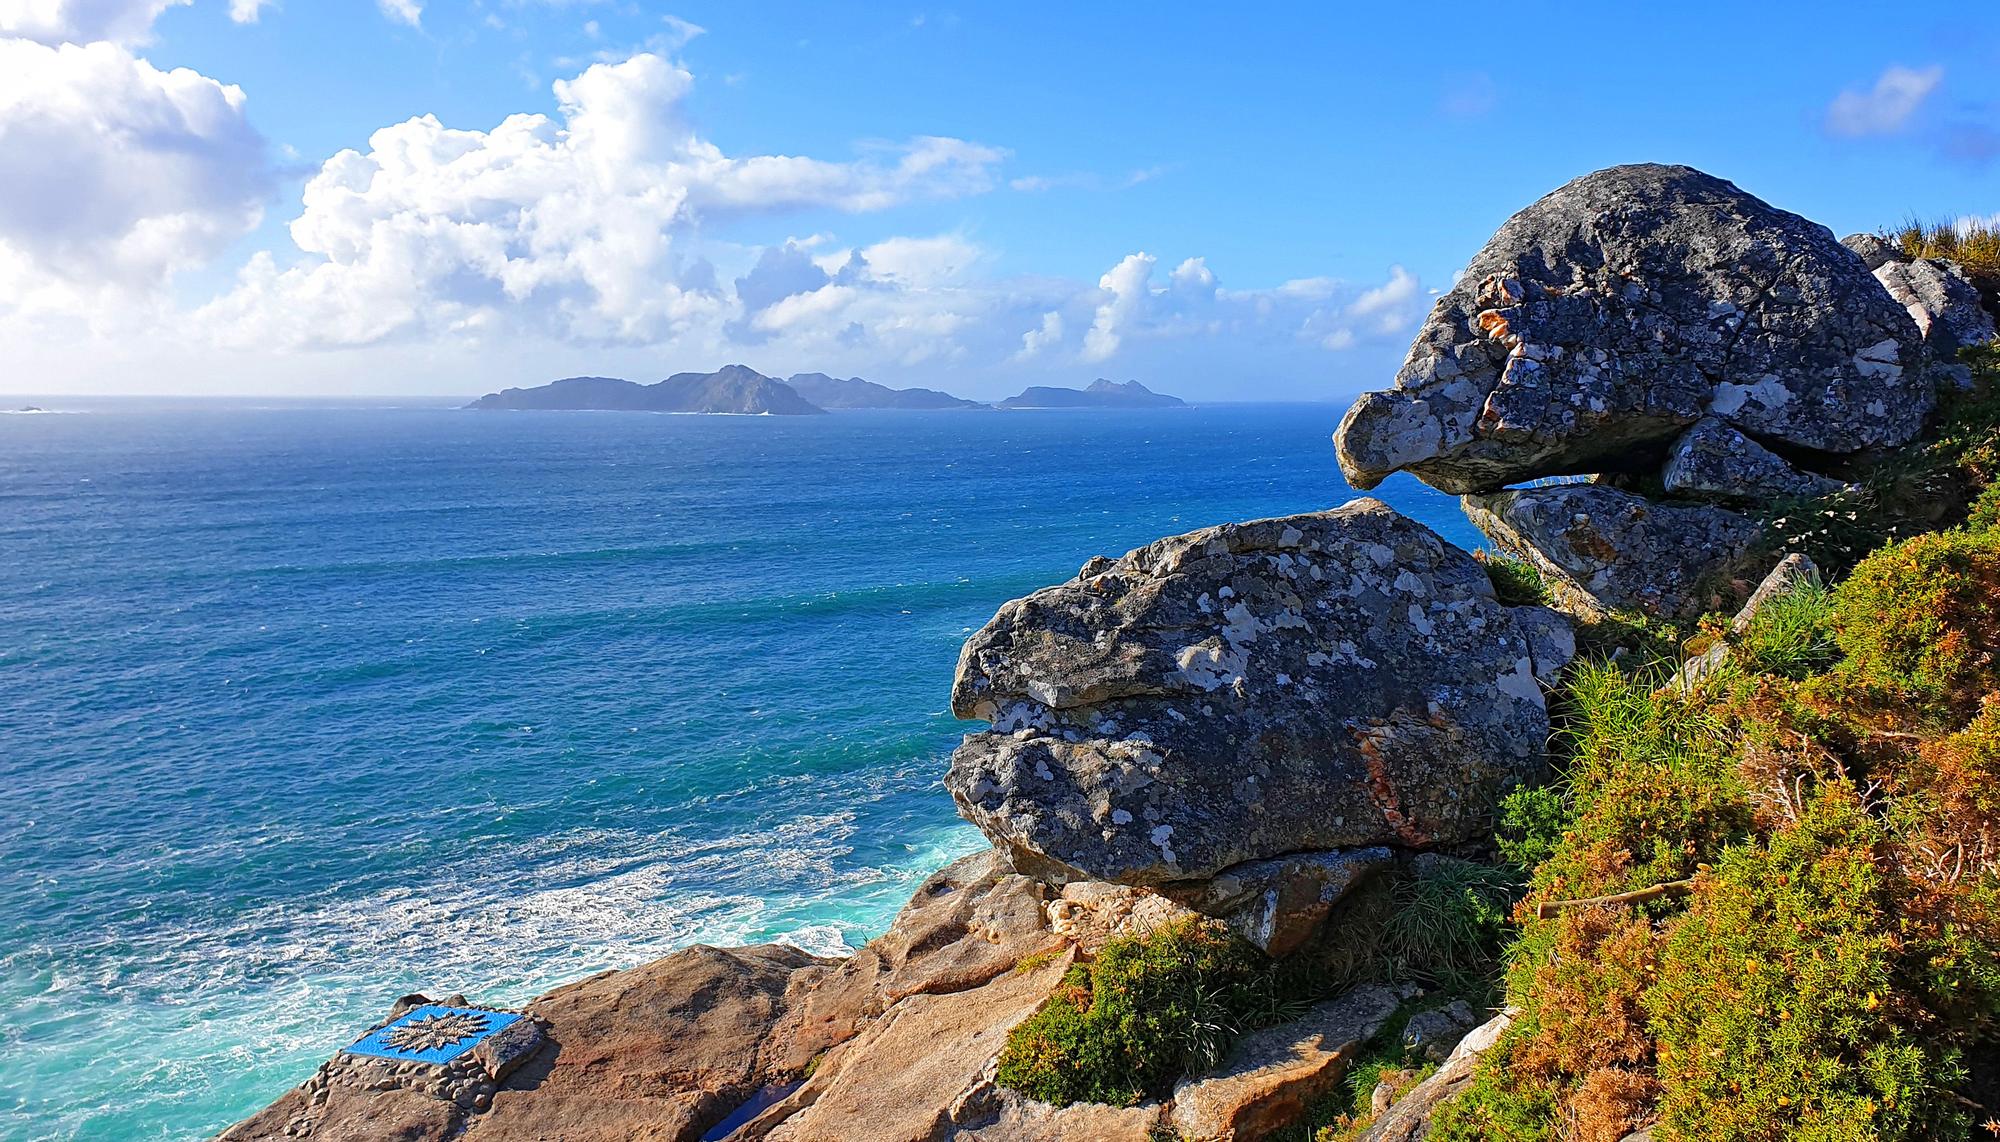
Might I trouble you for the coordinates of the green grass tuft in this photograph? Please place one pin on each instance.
(1516, 582)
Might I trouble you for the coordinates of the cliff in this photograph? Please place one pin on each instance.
(1674, 820)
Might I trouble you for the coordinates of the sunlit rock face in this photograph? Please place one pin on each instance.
(1321, 681)
(1611, 315)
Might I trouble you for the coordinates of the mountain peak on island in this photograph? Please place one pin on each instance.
(737, 389)
(1102, 393)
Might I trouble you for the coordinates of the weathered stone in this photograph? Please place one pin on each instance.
(1601, 549)
(901, 1077)
(1324, 681)
(1091, 913)
(1272, 1075)
(1436, 1033)
(1713, 461)
(502, 1053)
(1551, 640)
(1409, 1119)
(1279, 903)
(661, 1051)
(1610, 315)
(1945, 306)
(968, 922)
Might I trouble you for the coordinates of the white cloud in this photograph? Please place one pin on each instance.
(246, 11)
(1042, 338)
(114, 174)
(1882, 110)
(82, 21)
(1126, 287)
(584, 223)
(409, 12)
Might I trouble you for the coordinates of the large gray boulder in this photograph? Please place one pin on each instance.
(1601, 549)
(1322, 681)
(1622, 308)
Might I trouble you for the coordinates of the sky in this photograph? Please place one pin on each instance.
(414, 198)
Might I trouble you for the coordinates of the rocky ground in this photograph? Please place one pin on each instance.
(1253, 724)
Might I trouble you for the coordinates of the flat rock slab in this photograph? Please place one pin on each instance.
(1601, 549)
(1411, 1117)
(1620, 309)
(1333, 680)
(1273, 1075)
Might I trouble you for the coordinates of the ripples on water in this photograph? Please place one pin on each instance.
(307, 708)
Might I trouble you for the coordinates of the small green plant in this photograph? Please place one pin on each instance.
(1532, 820)
(1985, 513)
(1145, 1012)
(1516, 582)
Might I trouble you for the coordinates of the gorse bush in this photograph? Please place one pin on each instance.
(1919, 625)
(1777, 1000)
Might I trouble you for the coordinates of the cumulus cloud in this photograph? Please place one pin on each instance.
(1885, 108)
(577, 221)
(114, 174)
(1044, 337)
(409, 12)
(1125, 289)
(55, 22)
(246, 11)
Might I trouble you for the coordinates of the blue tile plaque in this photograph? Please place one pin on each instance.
(432, 1033)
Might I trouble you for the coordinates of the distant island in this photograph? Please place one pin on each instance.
(832, 392)
(743, 391)
(1100, 394)
(731, 389)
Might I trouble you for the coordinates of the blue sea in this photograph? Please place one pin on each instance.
(303, 708)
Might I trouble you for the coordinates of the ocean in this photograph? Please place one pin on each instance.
(308, 707)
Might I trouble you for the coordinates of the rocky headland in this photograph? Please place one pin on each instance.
(1274, 806)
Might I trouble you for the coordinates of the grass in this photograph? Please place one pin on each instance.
(1516, 582)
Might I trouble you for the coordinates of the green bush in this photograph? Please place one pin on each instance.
(1919, 626)
(1494, 1107)
(1532, 820)
(1985, 513)
(1145, 1012)
(1776, 1004)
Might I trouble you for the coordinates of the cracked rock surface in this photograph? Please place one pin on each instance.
(1604, 319)
(1601, 549)
(1322, 681)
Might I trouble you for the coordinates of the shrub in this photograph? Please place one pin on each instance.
(1516, 582)
(1776, 1005)
(1532, 819)
(1985, 513)
(1146, 1011)
(1918, 624)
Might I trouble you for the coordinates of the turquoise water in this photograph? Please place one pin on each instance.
(307, 708)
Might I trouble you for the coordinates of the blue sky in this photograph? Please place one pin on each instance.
(1246, 204)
